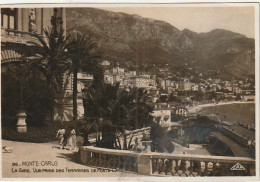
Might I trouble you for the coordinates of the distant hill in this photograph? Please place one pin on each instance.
(132, 38)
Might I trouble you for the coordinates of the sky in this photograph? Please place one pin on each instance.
(199, 19)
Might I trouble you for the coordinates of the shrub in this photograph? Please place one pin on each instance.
(34, 134)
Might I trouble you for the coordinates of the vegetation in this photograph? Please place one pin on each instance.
(42, 77)
(49, 57)
(112, 110)
(34, 134)
(82, 51)
(160, 140)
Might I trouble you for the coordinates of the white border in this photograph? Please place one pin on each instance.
(121, 3)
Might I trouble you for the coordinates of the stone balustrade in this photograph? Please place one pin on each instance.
(161, 164)
(201, 165)
(108, 158)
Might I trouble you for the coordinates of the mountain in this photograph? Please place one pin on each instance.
(132, 38)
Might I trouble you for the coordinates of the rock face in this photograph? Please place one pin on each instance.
(131, 38)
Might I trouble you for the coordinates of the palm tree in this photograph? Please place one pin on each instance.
(115, 109)
(48, 55)
(141, 110)
(82, 51)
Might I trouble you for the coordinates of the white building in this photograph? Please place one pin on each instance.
(105, 63)
(108, 78)
(140, 82)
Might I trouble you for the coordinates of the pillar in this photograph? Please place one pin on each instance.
(144, 165)
(25, 18)
(39, 20)
(84, 155)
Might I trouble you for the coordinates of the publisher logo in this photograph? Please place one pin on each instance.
(237, 167)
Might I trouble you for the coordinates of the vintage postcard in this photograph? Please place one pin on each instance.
(130, 91)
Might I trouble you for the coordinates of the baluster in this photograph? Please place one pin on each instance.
(118, 162)
(215, 169)
(124, 161)
(196, 168)
(159, 163)
(210, 169)
(181, 167)
(191, 168)
(92, 161)
(174, 163)
(98, 159)
(168, 164)
(177, 166)
(94, 158)
(107, 160)
(131, 161)
(163, 169)
(154, 166)
(135, 162)
(187, 168)
(205, 172)
(128, 163)
(114, 161)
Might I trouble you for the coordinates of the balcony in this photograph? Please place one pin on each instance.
(15, 36)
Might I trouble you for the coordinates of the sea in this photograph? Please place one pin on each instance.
(243, 113)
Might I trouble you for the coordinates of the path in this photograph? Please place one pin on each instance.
(25, 153)
(236, 148)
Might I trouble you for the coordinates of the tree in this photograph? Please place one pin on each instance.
(82, 51)
(49, 56)
(141, 110)
(114, 109)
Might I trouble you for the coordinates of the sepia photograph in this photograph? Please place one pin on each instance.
(130, 90)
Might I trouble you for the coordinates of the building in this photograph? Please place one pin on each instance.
(140, 82)
(195, 87)
(184, 85)
(108, 78)
(105, 63)
(117, 70)
(181, 111)
(16, 29)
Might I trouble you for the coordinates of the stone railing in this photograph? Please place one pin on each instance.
(167, 164)
(108, 158)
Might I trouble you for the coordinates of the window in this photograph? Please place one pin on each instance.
(9, 18)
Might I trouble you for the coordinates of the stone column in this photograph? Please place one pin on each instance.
(39, 20)
(19, 19)
(25, 17)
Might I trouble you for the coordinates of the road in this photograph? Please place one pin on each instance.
(237, 150)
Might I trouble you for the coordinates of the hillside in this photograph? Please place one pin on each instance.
(131, 38)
